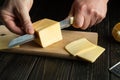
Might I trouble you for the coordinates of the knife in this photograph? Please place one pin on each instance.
(116, 69)
(28, 37)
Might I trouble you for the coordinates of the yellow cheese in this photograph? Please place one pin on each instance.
(92, 54)
(84, 49)
(79, 46)
(47, 32)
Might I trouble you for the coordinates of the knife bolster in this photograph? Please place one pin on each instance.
(47, 31)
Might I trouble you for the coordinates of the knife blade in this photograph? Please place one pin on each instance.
(115, 69)
(28, 37)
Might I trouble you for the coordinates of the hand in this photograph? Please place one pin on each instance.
(88, 12)
(15, 15)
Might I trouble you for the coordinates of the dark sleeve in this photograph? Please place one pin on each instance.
(1, 2)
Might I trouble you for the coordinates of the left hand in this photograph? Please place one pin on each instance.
(15, 15)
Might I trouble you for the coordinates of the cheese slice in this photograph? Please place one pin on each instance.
(84, 49)
(79, 46)
(91, 55)
(47, 32)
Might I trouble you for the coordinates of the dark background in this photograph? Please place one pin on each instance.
(32, 67)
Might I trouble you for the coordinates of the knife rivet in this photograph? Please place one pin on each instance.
(2, 34)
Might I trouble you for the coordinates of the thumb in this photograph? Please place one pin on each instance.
(26, 21)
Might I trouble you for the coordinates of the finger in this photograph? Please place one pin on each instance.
(13, 27)
(90, 18)
(9, 22)
(78, 17)
(99, 20)
(78, 21)
(25, 20)
(86, 22)
(93, 19)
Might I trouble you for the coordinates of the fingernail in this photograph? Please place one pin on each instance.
(30, 31)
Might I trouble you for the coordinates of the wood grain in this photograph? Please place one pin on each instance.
(56, 49)
(30, 67)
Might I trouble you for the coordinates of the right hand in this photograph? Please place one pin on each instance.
(87, 13)
(15, 16)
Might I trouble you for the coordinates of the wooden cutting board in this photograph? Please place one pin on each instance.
(56, 50)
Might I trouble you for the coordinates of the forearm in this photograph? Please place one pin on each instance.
(106, 1)
(1, 3)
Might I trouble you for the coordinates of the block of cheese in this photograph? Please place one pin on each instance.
(47, 32)
(84, 49)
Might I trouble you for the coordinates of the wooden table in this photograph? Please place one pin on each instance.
(33, 67)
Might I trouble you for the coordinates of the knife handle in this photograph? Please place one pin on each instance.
(71, 20)
(66, 22)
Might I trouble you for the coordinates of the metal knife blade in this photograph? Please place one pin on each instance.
(27, 37)
(116, 69)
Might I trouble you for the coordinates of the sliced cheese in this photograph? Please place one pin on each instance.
(92, 54)
(47, 31)
(79, 46)
(84, 49)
